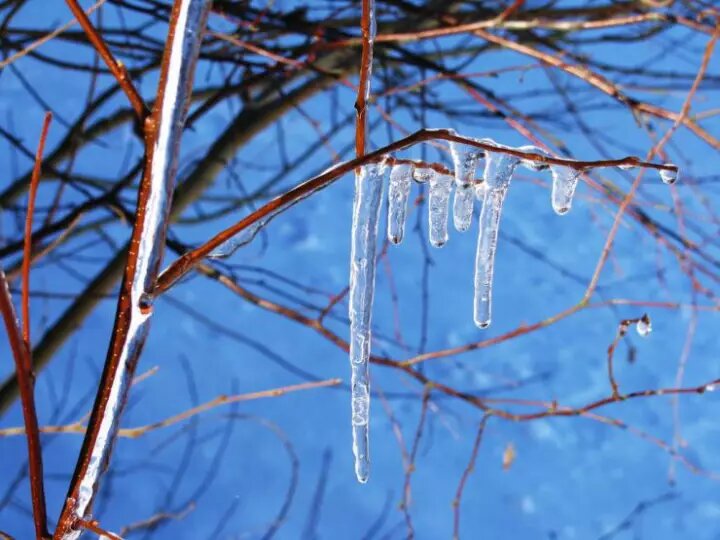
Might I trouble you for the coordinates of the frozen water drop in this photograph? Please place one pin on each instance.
(669, 177)
(644, 326)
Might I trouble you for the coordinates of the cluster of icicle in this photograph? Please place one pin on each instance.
(491, 189)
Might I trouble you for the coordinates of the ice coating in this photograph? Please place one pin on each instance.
(465, 159)
(95, 454)
(234, 243)
(438, 207)
(499, 169)
(366, 215)
(398, 193)
(565, 181)
(533, 164)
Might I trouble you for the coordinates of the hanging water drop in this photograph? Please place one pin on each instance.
(399, 190)
(669, 177)
(438, 205)
(366, 215)
(465, 159)
(644, 326)
(563, 187)
(499, 169)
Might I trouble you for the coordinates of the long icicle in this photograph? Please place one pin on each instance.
(499, 169)
(366, 215)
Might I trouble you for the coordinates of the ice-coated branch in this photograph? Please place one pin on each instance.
(189, 260)
(134, 310)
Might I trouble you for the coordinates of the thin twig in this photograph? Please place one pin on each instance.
(27, 248)
(116, 67)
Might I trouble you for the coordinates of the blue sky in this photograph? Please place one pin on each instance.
(572, 478)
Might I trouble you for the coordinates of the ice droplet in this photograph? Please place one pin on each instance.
(644, 326)
(669, 177)
(400, 180)
(366, 215)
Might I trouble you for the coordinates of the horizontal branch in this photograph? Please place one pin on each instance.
(186, 262)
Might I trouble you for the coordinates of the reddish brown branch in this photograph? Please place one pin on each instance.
(116, 67)
(363, 91)
(621, 331)
(465, 475)
(190, 259)
(25, 377)
(27, 246)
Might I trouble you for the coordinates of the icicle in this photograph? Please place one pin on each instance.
(669, 177)
(563, 188)
(499, 169)
(400, 180)
(465, 158)
(438, 205)
(366, 214)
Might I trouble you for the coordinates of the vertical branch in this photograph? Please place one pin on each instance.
(20, 346)
(23, 369)
(163, 130)
(27, 246)
(367, 28)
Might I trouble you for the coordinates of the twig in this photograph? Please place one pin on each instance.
(27, 248)
(116, 67)
(35, 44)
(23, 369)
(465, 475)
